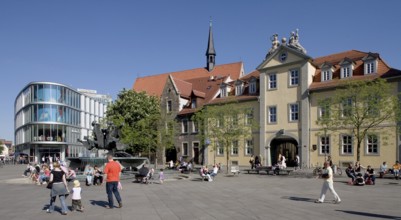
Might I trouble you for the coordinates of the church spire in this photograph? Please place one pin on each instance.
(210, 52)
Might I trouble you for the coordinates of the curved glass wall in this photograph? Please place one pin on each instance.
(51, 117)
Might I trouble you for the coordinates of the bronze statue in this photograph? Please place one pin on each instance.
(104, 139)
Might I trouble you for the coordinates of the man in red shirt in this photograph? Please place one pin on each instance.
(112, 172)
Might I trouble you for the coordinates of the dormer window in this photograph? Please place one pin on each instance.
(252, 86)
(327, 75)
(346, 72)
(223, 91)
(193, 103)
(239, 87)
(347, 65)
(327, 71)
(370, 67)
(370, 63)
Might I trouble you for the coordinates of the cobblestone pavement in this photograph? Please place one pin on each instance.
(247, 196)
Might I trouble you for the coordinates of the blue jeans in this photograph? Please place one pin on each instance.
(111, 188)
(62, 201)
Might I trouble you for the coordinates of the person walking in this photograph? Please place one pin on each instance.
(76, 203)
(327, 175)
(59, 188)
(112, 173)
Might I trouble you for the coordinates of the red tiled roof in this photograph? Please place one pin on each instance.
(153, 85)
(383, 70)
(184, 88)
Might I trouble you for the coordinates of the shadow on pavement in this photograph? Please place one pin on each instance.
(301, 199)
(99, 203)
(367, 214)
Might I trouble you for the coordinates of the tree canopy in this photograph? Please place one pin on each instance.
(359, 107)
(139, 116)
(224, 125)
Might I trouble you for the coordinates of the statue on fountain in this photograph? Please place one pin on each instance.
(104, 138)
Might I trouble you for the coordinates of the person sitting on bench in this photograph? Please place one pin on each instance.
(350, 172)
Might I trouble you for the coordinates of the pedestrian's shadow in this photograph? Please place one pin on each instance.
(300, 199)
(99, 203)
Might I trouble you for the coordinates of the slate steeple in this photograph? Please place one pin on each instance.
(210, 52)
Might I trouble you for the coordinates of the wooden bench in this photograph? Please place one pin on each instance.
(266, 169)
(286, 171)
(251, 171)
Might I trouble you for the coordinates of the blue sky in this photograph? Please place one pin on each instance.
(104, 45)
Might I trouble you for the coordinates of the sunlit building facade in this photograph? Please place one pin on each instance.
(51, 117)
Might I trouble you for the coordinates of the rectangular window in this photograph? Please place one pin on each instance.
(169, 106)
(249, 117)
(193, 103)
(238, 90)
(252, 87)
(325, 145)
(234, 148)
(294, 112)
(272, 114)
(223, 91)
(185, 149)
(195, 127)
(346, 107)
(346, 144)
(372, 106)
(219, 149)
(248, 147)
(294, 77)
(345, 72)
(370, 68)
(272, 82)
(324, 110)
(372, 144)
(184, 126)
(326, 75)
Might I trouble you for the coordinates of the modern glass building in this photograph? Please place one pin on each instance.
(51, 117)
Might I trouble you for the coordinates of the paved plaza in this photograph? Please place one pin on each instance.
(247, 196)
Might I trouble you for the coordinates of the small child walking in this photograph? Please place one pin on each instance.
(76, 197)
(161, 176)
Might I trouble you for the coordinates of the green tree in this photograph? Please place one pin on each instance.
(139, 116)
(223, 125)
(360, 107)
(1, 147)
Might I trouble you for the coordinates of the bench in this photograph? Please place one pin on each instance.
(285, 171)
(251, 171)
(235, 170)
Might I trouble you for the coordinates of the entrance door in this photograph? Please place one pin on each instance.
(286, 147)
(196, 152)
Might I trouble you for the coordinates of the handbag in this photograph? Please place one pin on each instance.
(325, 175)
(49, 185)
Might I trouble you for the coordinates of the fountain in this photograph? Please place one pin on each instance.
(106, 139)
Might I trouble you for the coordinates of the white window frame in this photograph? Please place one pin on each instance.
(238, 89)
(347, 146)
(346, 71)
(252, 87)
(169, 106)
(184, 126)
(195, 127)
(345, 111)
(324, 145)
(271, 115)
(327, 75)
(293, 113)
(370, 67)
(375, 146)
(248, 117)
(272, 81)
(249, 147)
(219, 149)
(185, 149)
(193, 103)
(234, 148)
(223, 91)
(293, 77)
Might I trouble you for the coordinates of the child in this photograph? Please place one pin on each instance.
(76, 197)
(161, 176)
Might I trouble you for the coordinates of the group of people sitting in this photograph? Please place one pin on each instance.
(93, 175)
(395, 170)
(210, 175)
(146, 175)
(357, 178)
(40, 173)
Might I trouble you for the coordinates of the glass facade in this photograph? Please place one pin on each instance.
(51, 117)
